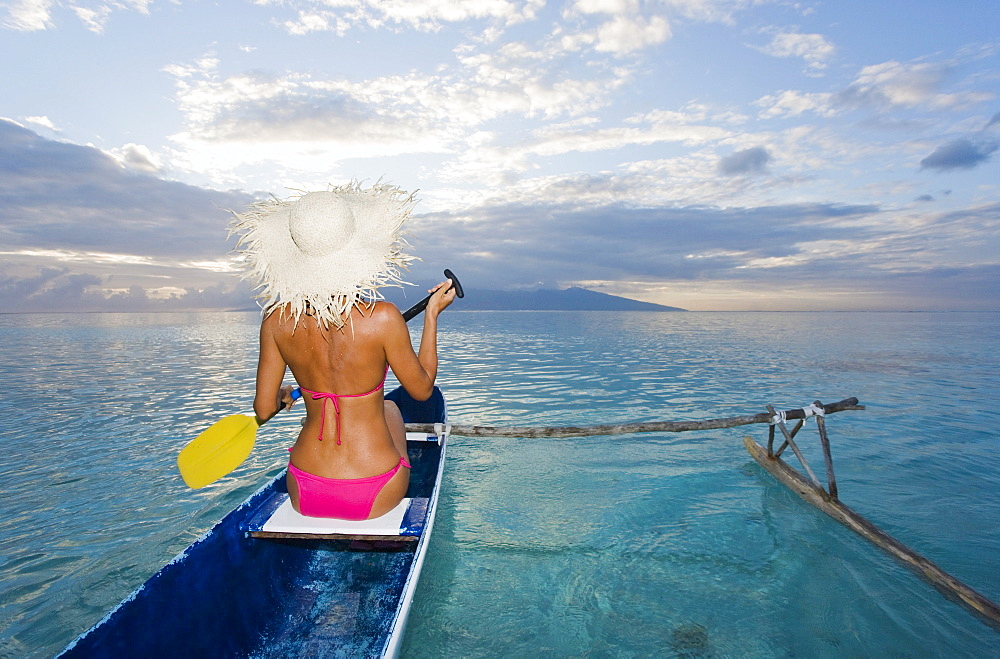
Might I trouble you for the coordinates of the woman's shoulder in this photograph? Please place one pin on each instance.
(385, 311)
(380, 322)
(279, 321)
(272, 321)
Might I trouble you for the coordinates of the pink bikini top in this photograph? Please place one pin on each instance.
(334, 398)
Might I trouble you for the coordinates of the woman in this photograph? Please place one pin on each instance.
(320, 259)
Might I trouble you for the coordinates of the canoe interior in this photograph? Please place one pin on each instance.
(229, 595)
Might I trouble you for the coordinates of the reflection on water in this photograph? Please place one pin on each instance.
(629, 545)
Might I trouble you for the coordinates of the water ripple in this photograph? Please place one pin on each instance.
(616, 546)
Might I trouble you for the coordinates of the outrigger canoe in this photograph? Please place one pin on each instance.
(266, 581)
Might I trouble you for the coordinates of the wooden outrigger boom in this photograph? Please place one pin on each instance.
(557, 432)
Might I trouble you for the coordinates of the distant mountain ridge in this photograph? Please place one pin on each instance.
(569, 299)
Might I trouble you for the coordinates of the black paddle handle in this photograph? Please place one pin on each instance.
(420, 306)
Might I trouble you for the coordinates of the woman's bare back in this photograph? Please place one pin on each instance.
(350, 363)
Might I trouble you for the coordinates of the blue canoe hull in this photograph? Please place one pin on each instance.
(231, 595)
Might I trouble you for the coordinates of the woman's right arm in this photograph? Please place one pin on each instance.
(271, 366)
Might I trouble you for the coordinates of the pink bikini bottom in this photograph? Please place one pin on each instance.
(340, 498)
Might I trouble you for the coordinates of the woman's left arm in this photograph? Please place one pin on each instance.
(270, 397)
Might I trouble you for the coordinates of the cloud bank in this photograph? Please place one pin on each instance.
(80, 228)
(693, 153)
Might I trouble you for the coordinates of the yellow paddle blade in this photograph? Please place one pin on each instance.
(218, 450)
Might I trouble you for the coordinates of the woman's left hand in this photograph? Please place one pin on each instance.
(443, 295)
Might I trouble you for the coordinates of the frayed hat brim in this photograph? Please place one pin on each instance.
(341, 276)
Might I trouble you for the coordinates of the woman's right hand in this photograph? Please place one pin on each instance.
(285, 397)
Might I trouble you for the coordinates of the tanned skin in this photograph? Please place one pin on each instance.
(349, 360)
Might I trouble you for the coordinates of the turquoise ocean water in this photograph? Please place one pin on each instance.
(623, 546)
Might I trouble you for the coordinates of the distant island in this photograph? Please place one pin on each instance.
(569, 299)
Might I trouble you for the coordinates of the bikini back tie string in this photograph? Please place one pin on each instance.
(335, 399)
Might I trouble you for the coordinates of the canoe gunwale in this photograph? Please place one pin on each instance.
(395, 640)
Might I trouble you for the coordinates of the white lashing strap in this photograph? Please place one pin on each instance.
(812, 410)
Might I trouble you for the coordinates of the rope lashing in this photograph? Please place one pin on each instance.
(812, 410)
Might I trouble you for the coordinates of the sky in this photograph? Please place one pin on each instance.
(705, 154)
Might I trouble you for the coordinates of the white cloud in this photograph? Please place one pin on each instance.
(881, 86)
(42, 122)
(201, 67)
(93, 18)
(28, 15)
(624, 28)
(222, 265)
(304, 122)
(138, 157)
(33, 15)
(711, 11)
(809, 252)
(813, 48)
(423, 12)
(790, 103)
(70, 256)
(618, 137)
(901, 84)
(317, 21)
(606, 6)
(496, 164)
(908, 85)
(426, 15)
(623, 35)
(301, 122)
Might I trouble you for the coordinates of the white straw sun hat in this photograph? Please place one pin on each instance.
(324, 252)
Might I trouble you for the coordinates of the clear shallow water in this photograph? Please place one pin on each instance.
(635, 545)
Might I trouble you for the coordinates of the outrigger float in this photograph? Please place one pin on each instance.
(827, 499)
